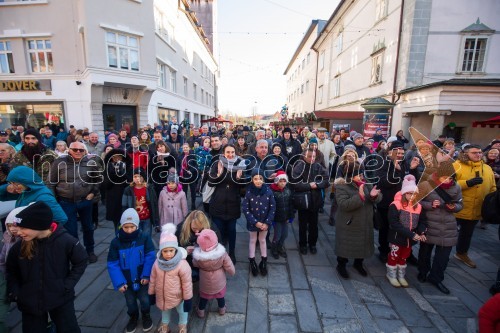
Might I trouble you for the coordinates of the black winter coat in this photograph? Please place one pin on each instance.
(284, 208)
(303, 174)
(116, 179)
(159, 167)
(225, 202)
(390, 180)
(48, 280)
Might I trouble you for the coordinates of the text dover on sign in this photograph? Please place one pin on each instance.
(25, 85)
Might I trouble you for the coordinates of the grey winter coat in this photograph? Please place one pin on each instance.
(354, 227)
(441, 222)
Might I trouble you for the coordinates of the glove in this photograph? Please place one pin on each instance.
(188, 304)
(474, 181)
(152, 299)
(290, 220)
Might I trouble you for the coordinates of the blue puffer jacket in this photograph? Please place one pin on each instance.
(36, 191)
(130, 260)
(258, 206)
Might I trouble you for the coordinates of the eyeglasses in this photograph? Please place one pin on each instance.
(79, 150)
(476, 152)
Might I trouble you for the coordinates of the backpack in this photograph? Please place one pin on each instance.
(490, 210)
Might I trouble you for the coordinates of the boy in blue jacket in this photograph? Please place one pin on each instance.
(130, 259)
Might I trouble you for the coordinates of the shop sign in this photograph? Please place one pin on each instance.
(372, 121)
(25, 85)
(338, 127)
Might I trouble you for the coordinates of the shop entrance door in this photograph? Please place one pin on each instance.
(117, 117)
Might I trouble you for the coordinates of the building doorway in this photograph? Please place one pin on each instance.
(116, 117)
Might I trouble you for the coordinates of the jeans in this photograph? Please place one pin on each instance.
(383, 231)
(145, 226)
(183, 316)
(465, 232)
(308, 227)
(141, 295)
(227, 230)
(63, 317)
(280, 232)
(439, 264)
(221, 302)
(84, 210)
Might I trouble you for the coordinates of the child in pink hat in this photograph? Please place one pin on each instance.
(213, 261)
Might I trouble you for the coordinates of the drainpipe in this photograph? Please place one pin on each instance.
(395, 80)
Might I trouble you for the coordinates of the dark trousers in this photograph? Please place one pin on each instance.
(141, 295)
(84, 210)
(227, 230)
(465, 232)
(308, 227)
(95, 213)
(439, 264)
(221, 302)
(341, 261)
(192, 191)
(383, 231)
(63, 317)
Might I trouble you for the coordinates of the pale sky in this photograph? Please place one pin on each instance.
(252, 62)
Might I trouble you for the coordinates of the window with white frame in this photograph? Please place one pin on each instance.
(123, 51)
(473, 54)
(202, 96)
(322, 60)
(195, 92)
(335, 87)
(162, 81)
(40, 55)
(173, 80)
(339, 41)
(381, 9)
(6, 60)
(308, 57)
(376, 75)
(307, 86)
(302, 88)
(185, 86)
(320, 94)
(163, 27)
(206, 97)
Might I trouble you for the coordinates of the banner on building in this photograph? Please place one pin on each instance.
(372, 121)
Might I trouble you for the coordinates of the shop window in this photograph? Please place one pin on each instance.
(40, 55)
(32, 115)
(6, 60)
(166, 115)
(123, 51)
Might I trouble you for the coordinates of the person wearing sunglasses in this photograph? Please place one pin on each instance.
(75, 180)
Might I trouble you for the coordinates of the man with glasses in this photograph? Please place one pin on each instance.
(75, 179)
(476, 179)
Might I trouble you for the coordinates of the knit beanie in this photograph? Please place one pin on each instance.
(357, 136)
(130, 215)
(313, 140)
(397, 145)
(140, 171)
(352, 133)
(173, 178)
(409, 184)
(258, 171)
(11, 218)
(287, 130)
(35, 133)
(168, 238)
(280, 175)
(37, 216)
(207, 240)
(445, 169)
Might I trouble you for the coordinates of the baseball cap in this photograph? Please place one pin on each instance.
(3, 133)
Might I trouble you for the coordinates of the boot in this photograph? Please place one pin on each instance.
(392, 276)
(274, 251)
(147, 322)
(282, 251)
(253, 267)
(163, 328)
(132, 323)
(183, 329)
(401, 276)
(263, 266)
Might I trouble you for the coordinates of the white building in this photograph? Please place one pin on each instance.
(103, 64)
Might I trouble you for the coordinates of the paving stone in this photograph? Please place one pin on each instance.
(236, 291)
(297, 271)
(257, 310)
(85, 329)
(286, 324)
(92, 291)
(416, 329)
(365, 318)
(391, 325)
(370, 293)
(341, 325)
(439, 323)
(382, 311)
(461, 325)
(228, 323)
(112, 303)
(450, 308)
(281, 303)
(306, 311)
(277, 277)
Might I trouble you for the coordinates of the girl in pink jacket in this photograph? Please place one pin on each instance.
(172, 202)
(213, 261)
(171, 280)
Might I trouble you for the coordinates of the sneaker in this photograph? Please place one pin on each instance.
(200, 313)
(132, 324)
(147, 322)
(465, 259)
(92, 258)
(222, 311)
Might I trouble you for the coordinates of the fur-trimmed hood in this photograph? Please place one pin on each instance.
(215, 254)
(340, 181)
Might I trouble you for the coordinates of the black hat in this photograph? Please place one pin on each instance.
(397, 144)
(140, 171)
(258, 171)
(35, 133)
(246, 128)
(37, 216)
(3, 133)
(287, 130)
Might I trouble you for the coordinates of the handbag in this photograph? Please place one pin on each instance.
(302, 200)
(207, 193)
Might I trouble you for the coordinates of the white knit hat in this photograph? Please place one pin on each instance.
(392, 139)
(11, 218)
(130, 216)
(167, 238)
(409, 185)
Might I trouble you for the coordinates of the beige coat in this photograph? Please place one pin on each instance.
(171, 287)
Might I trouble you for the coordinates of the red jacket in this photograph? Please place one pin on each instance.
(489, 316)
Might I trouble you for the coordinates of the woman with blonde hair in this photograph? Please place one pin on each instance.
(187, 235)
(61, 148)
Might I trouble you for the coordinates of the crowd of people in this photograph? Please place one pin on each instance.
(148, 182)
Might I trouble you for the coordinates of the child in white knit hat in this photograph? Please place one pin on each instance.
(171, 280)
(214, 262)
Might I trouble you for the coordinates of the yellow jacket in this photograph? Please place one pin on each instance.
(473, 197)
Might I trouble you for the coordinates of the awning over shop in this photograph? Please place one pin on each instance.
(492, 122)
(216, 120)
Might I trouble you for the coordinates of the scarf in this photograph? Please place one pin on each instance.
(228, 164)
(258, 191)
(276, 188)
(168, 265)
(445, 186)
(128, 237)
(178, 189)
